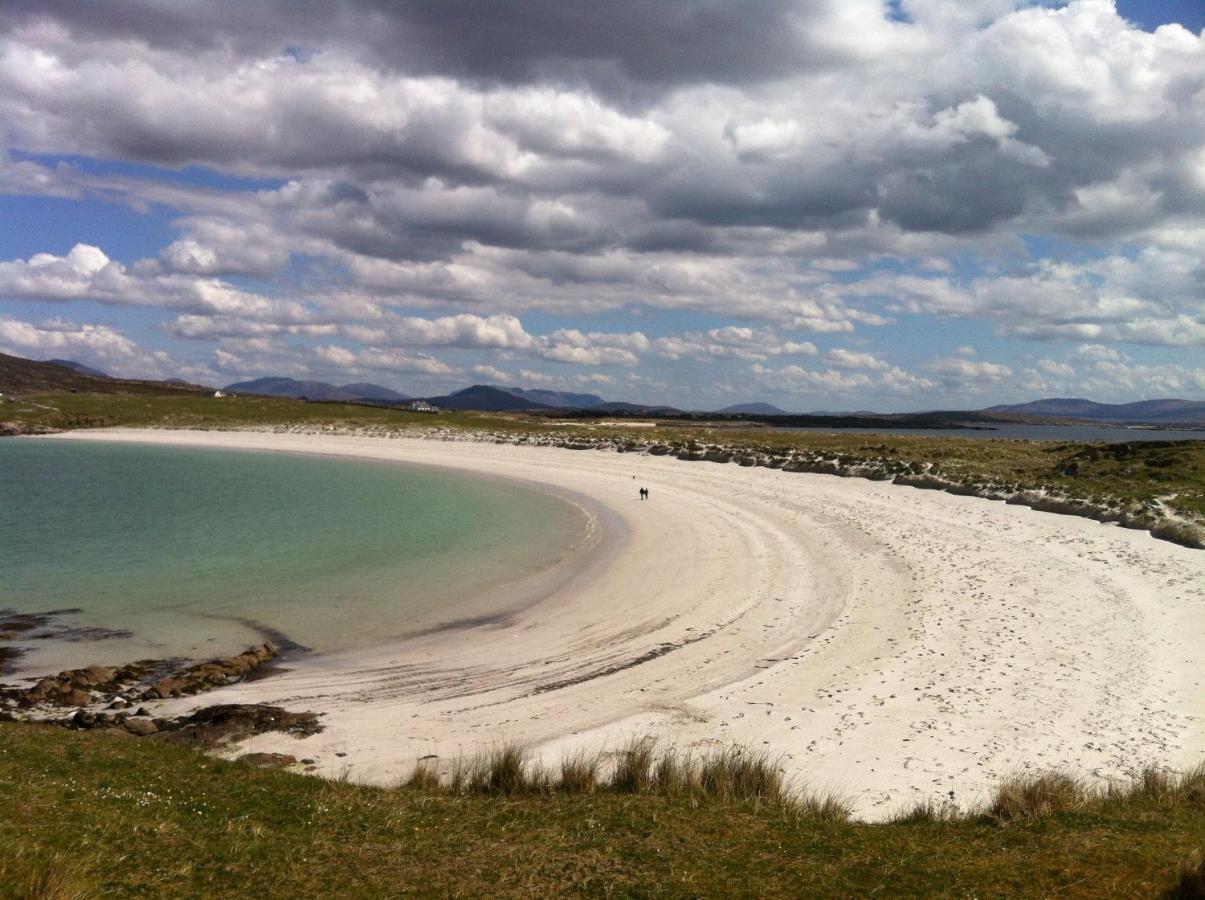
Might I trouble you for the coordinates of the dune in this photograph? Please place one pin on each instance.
(892, 644)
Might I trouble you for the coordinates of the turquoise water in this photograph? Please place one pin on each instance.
(198, 552)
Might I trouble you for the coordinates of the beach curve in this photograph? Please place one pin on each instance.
(891, 643)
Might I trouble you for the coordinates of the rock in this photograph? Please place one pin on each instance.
(213, 725)
(268, 760)
(96, 675)
(141, 727)
(76, 697)
(212, 673)
(168, 687)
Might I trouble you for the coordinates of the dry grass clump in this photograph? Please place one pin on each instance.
(579, 773)
(422, 777)
(1028, 797)
(54, 878)
(1169, 788)
(503, 769)
(633, 771)
(729, 775)
(736, 773)
(926, 812)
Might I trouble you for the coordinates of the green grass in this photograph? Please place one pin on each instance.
(91, 814)
(81, 410)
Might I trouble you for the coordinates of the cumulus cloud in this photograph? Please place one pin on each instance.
(733, 342)
(423, 174)
(851, 359)
(99, 346)
(962, 376)
(87, 273)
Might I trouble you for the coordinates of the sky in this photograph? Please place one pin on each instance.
(821, 204)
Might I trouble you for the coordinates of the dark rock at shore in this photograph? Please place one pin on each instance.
(225, 722)
(13, 429)
(104, 684)
(215, 673)
(268, 760)
(208, 727)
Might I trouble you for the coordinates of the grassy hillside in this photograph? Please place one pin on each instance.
(89, 410)
(23, 376)
(91, 814)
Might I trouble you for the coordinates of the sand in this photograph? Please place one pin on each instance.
(892, 644)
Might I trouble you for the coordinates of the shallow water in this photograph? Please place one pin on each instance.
(199, 552)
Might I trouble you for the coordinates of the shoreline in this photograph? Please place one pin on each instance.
(895, 643)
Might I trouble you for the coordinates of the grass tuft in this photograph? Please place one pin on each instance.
(633, 772)
(735, 773)
(676, 773)
(1030, 797)
(503, 769)
(423, 777)
(58, 878)
(826, 808)
(926, 812)
(580, 772)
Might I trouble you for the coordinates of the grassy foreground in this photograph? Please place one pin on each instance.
(87, 814)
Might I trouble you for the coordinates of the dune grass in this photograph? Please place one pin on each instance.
(730, 774)
(90, 814)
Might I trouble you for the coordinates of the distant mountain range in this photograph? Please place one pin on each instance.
(18, 375)
(315, 390)
(1145, 412)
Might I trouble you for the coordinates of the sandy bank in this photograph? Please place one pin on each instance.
(893, 643)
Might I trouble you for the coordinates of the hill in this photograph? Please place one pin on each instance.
(366, 390)
(19, 375)
(314, 390)
(565, 399)
(79, 367)
(752, 409)
(1142, 412)
(486, 398)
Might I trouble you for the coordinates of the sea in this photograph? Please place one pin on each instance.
(165, 552)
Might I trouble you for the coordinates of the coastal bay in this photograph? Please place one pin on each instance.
(892, 644)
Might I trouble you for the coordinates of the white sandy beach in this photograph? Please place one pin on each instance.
(893, 644)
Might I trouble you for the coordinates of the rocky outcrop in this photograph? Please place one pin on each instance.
(208, 675)
(13, 429)
(78, 687)
(224, 723)
(125, 685)
(210, 726)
